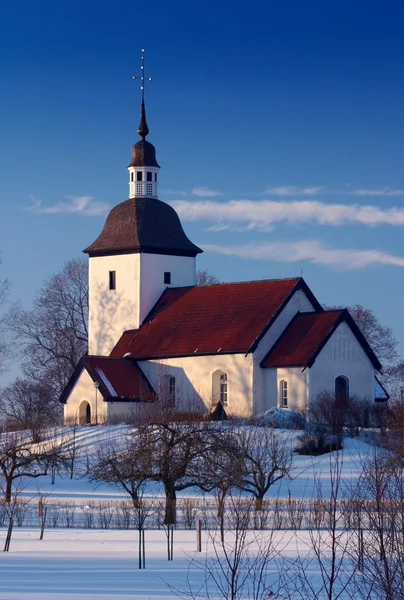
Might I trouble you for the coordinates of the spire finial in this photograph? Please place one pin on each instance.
(142, 130)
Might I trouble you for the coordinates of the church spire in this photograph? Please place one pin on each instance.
(143, 129)
(143, 167)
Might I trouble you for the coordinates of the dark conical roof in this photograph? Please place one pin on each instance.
(143, 225)
(143, 155)
(143, 152)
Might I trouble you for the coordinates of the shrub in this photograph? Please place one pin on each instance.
(314, 443)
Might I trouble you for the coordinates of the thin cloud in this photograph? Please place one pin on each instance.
(263, 214)
(204, 192)
(292, 190)
(313, 251)
(383, 192)
(81, 205)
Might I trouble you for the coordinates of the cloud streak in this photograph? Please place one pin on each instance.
(264, 214)
(204, 192)
(292, 190)
(313, 251)
(80, 205)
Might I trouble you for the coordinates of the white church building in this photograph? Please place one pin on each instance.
(157, 337)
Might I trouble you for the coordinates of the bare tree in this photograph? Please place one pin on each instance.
(54, 333)
(328, 545)
(205, 278)
(222, 467)
(20, 457)
(267, 458)
(29, 405)
(177, 448)
(126, 464)
(4, 345)
(380, 491)
(238, 567)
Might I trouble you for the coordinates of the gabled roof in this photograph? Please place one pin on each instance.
(211, 319)
(306, 335)
(118, 379)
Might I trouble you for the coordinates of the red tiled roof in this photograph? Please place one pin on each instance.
(118, 378)
(121, 378)
(306, 335)
(208, 319)
(300, 340)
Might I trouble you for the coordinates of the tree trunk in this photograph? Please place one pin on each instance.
(259, 503)
(8, 490)
(170, 517)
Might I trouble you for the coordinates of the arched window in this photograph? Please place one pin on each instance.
(171, 391)
(223, 389)
(220, 388)
(168, 391)
(283, 393)
(341, 390)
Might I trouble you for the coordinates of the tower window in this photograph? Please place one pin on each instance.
(131, 176)
(112, 280)
(149, 189)
(155, 177)
(167, 277)
(139, 176)
(149, 176)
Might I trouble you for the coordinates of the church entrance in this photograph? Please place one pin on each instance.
(85, 413)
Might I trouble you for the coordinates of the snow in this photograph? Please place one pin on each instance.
(90, 564)
(106, 381)
(93, 565)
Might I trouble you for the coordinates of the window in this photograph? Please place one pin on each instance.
(149, 176)
(112, 280)
(283, 393)
(341, 390)
(139, 176)
(131, 176)
(171, 392)
(139, 189)
(149, 189)
(167, 277)
(155, 177)
(223, 389)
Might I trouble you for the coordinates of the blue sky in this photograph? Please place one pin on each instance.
(278, 126)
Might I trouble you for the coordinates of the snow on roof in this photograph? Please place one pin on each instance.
(106, 382)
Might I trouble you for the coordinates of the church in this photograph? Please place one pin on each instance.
(156, 337)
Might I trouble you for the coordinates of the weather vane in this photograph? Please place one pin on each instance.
(142, 77)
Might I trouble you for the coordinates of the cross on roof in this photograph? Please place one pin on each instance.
(142, 77)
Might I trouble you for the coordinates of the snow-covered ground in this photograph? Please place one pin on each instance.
(90, 564)
(102, 565)
(306, 472)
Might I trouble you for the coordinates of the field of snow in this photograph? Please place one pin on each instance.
(90, 564)
(102, 565)
(306, 472)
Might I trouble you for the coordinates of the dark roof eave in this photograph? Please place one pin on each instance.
(143, 249)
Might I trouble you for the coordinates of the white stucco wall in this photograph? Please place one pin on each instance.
(84, 391)
(152, 269)
(265, 388)
(112, 311)
(193, 378)
(139, 284)
(342, 355)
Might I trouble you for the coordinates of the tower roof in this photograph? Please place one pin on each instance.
(143, 152)
(143, 225)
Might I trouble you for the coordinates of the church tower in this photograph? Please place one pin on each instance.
(141, 251)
